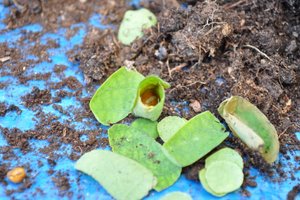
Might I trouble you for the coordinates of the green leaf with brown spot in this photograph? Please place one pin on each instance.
(145, 150)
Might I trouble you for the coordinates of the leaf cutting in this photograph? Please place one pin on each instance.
(248, 123)
(122, 177)
(145, 150)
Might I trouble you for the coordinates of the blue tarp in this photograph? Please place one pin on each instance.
(82, 185)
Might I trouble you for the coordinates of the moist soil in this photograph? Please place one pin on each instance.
(206, 50)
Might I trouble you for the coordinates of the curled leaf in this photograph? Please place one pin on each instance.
(133, 23)
(122, 177)
(115, 98)
(248, 123)
(146, 126)
(150, 98)
(196, 138)
(145, 150)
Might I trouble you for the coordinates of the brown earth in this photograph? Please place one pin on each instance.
(207, 52)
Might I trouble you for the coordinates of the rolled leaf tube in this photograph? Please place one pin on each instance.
(150, 98)
(248, 123)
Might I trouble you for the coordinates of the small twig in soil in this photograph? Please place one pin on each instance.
(259, 51)
(234, 4)
(169, 70)
(178, 67)
(4, 59)
(283, 132)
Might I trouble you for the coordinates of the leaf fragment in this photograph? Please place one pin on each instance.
(115, 98)
(248, 123)
(133, 24)
(146, 126)
(202, 178)
(177, 196)
(196, 138)
(225, 154)
(168, 126)
(150, 98)
(122, 177)
(224, 176)
(130, 142)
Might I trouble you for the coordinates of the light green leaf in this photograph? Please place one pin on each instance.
(168, 126)
(115, 98)
(146, 126)
(248, 123)
(196, 138)
(140, 147)
(225, 154)
(177, 196)
(133, 23)
(122, 177)
(150, 98)
(224, 176)
(202, 178)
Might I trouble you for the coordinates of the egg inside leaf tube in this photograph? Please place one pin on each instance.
(150, 98)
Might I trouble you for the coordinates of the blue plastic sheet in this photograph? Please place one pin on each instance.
(83, 185)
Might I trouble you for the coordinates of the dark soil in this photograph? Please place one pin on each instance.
(294, 192)
(207, 52)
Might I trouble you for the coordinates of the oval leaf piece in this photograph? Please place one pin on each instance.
(146, 126)
(225, 154)
(177, 196)
(150, 98)
(196, 138)
(224, 177)
(133, 23)
(168, 126)
(115, 98)
(202, 178)
(248, 123)
(122, 177)
(145, 150)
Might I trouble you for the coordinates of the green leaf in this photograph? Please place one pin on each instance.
(146, 126)
(168, 126)
(133, 23)
(122, 177)
(115, 98)
(225, 154)
(224, 176)
(202, 178)
(248, 123)
(196, 138)
(140, 147)
(150, 98)
(177, 196)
